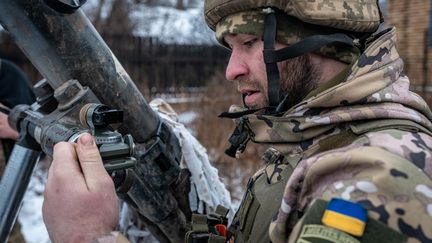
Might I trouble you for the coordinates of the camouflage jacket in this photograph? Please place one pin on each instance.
(366, 140)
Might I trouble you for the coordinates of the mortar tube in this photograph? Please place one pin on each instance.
(67, 46)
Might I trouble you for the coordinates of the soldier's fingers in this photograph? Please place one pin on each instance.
(90, 160)
(65, 166)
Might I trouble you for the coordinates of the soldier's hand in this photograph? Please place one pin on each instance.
(5, 130)
(80, 201)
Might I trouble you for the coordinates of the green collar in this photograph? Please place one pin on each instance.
(339, 78)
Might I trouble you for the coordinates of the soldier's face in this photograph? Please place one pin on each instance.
(246, 67)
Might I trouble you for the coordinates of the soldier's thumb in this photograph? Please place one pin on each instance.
(91, 162)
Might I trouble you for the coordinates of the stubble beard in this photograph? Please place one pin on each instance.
(298, 78)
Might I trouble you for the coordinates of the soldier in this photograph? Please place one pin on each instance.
(350, 155)
(14, 90)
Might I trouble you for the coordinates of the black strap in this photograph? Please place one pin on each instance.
(234, 115)
(308, 44)
(239, 139)
(4, 110)
(269, 37)
(380, 12)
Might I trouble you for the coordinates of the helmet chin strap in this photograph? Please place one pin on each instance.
(278, 98)
(269, 38)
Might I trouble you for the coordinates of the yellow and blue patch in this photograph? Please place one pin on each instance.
(346, 216)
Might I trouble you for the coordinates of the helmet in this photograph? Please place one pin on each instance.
(350, 15)
(337, 29)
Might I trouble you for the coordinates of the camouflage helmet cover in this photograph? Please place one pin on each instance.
(349, 15)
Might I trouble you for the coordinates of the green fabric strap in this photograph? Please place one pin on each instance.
(337, 141)
(399, 124)
(248, 224)
(221, 211)
(357, 129)
(199, 223)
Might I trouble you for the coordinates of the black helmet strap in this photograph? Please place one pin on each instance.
(277, 97)
(269, 38)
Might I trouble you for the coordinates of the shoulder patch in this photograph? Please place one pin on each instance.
(346, 216)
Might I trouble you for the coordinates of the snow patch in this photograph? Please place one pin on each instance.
(30, 215)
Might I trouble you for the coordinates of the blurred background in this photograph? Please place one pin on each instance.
(170, 53)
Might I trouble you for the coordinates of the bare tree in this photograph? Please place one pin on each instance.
(180, 5)
(97, 15)
(147, 2)
(118, 20)
(112, 16)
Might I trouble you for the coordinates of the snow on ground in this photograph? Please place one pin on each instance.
(30, 216)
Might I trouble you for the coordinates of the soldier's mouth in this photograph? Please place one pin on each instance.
(251, 97)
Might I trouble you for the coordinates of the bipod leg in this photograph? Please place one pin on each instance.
(15, 180)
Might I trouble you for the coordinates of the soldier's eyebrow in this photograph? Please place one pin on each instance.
(225, 38)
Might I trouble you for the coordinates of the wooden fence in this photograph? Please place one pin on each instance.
(157, 68)
(154, 66)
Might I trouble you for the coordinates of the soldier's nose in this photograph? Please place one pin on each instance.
(236, 67)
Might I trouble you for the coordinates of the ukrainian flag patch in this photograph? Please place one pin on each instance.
(346, 216)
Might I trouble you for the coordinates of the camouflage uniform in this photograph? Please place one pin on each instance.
(388, 170)
(362, 137)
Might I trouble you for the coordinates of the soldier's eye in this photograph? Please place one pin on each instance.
(249, 43)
